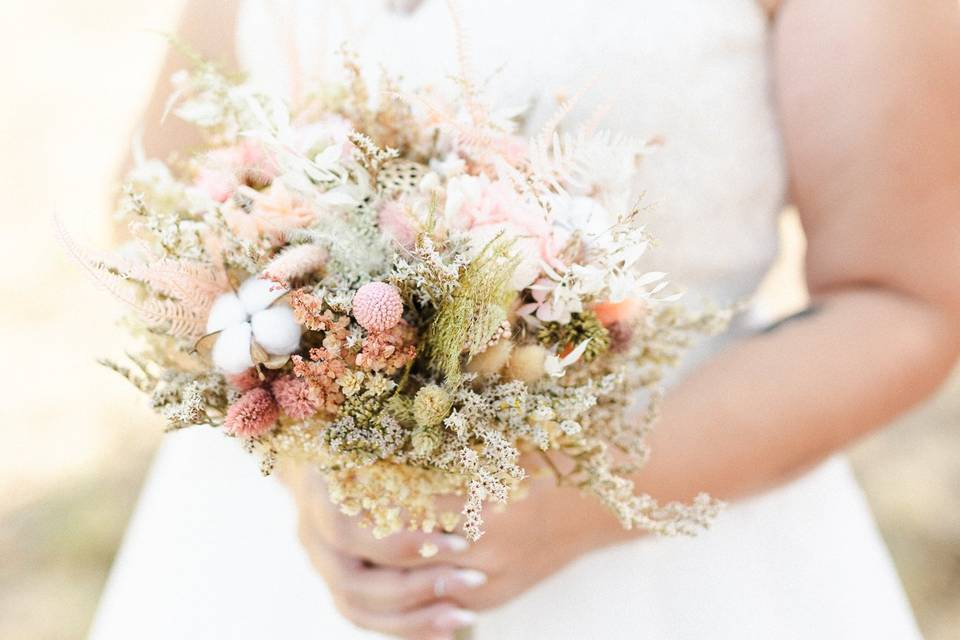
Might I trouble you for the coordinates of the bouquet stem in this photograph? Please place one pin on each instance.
(464, 634)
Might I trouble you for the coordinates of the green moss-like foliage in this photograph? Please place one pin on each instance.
(582, 326)
(464, 323)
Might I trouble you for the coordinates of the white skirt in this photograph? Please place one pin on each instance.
(211, 553)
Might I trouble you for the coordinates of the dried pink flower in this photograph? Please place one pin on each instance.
(388, 351)
(377, 306)
(254, 414)
(308, 310)
(321, 374)
(490, 208)
(294, 396)
(245, 380)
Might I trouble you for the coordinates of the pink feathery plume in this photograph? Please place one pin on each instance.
(566, 105)
(479, 112)
(178, 319)
(254, 414)
(196, 285)
(295, 262)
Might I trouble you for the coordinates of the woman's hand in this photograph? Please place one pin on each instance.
(386, 586)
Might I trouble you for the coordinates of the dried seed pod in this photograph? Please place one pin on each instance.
(526, 363)
(492, 359)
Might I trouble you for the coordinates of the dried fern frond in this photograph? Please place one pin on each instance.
(193, 284)
(173, 317)
(553, 122)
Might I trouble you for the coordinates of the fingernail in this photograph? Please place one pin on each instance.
(471, 578)
(455, 543)
(455, 619)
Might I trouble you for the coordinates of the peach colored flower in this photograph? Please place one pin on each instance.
(322, 373)
(388, 351)
(610, 313)
(272, 212)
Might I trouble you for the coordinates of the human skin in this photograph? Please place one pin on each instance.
(868, 93)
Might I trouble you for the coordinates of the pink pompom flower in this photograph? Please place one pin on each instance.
(245, 380)
(295, 397)
(377, 306)
(254, 414)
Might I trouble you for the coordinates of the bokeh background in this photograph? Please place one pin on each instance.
(76, 440)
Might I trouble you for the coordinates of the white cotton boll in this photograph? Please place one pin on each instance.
(231, 353)
(226, 311)
(276, 330)
(256, 294)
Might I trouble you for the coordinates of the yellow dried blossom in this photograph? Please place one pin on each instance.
(431, 405)
(426, 439)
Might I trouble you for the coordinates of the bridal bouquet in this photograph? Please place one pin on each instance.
(400, 290)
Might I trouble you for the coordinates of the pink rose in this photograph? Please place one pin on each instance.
(486, 208)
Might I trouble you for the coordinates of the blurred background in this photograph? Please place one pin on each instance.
(77, 440)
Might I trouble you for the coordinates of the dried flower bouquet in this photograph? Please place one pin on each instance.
(404, 292)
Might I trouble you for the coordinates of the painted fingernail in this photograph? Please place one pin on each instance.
(471, 578)
(455, 619)
(455, 543)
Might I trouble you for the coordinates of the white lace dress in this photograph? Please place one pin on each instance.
(211, 552)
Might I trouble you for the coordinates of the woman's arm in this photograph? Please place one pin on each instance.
(207, 28)
(869, 97)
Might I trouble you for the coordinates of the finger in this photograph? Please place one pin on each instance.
(405, 549)
(439, 620)
(401, 549)
(329, 563)
(388, 590)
